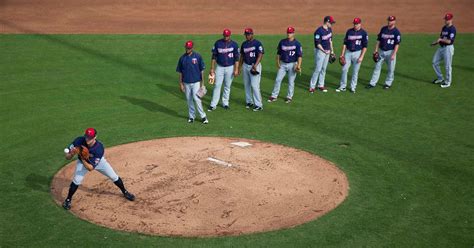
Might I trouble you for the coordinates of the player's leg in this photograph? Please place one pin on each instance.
(280, 75)
(188, 91)
(247, 83)
(228, 77)
(291, 80)
(437, 58)
(195, 88)
(255, 83)
(391, 69)
(322, 74)
(317, 69)
(79, 174)
(448, 60)
(345, 70)
(216, 93)
(105, 169)
(377, 70)
(355, 70)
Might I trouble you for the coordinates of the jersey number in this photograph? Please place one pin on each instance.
(390, 42)
(358, 42)
(252, 54)
(231, 55)
(292, 53)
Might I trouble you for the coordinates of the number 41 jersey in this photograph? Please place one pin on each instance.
(226, 53)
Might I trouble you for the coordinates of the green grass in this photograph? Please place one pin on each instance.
(409, 155)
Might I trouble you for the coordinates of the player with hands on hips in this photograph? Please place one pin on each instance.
(225, 53)
(93, 160)
(323, 48)
(251, 54)
(386, 48)
(353, 51)
(288, 60)
(445, 52)
(190, 68)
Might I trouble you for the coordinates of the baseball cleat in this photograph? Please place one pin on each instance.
(322, 89)
(226, 107)
(438, 81)
(67, 204)
(271, 99)
(205, 121)
(311, 90)
(353, 91)
(248, 106)
(257, 109)
(190, 120)
(129, 196)
(288, 100)
(386, 87)
(370, 86)
(211, 108)
(445, 85)
(340, 89)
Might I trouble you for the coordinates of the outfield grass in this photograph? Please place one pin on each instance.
(408, 152)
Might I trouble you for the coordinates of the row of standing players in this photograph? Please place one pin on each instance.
(228, 62)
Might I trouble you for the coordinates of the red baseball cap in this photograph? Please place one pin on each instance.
(329, 19)
(226, 32)
(290, 30)
(248, 31)
(189, 44)
(357, 20)
(391, 18)
(90, 133)
(448, 16)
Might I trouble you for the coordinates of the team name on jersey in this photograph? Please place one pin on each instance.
(388, 36)
(249, 49)
(225, 50)
(288, 48)
(326, 37)
(354, 37)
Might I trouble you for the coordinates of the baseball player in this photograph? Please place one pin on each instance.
(190, 68)
(353, 51)
(386, 48)
(288, 60)
(322, 49)
(445, 52)
(225, 53)
(95, 160)
(251, 55)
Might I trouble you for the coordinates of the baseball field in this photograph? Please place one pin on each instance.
(408, 152)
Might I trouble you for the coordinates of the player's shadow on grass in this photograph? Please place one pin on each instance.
(151, 106)
(38, 182)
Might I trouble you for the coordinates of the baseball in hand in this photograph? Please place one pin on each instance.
(66, 150)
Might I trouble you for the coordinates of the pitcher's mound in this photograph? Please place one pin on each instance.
(204, 186)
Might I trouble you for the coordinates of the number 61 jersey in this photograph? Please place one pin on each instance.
(388, 38)
(226, 53)
(289, 50)
(250, 49)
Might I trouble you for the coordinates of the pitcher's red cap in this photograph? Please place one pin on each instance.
(226, 32)
(391, 18)
(189, 44)
(448, 16)
(248, 31)
(290, 30)
(329, 19)
(357, 20)
(90, 133)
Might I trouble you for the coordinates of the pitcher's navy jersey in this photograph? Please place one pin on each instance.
(96, 152)
(226, 53)
(388, 38)
(289, 51)
(355, 40)
(250, 49)
(447, 33)
(191, 66)
(323, 36)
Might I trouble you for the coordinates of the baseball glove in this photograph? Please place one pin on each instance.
(212, 78)
(342, 60)
(332, 58)
(254, 72)
(376, 57)
(201, 92)
(84, 153)
(74, 151)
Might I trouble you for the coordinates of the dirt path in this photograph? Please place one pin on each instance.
(211, 16)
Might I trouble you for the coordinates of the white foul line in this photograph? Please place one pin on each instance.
(219, 162)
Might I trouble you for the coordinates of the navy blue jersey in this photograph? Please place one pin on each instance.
(289, 51)
(226, 53)
(356, 40)
(191, 66)
(447, 33)
(388, 38)
(96, 152)
(250, 51)
(324, 37)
